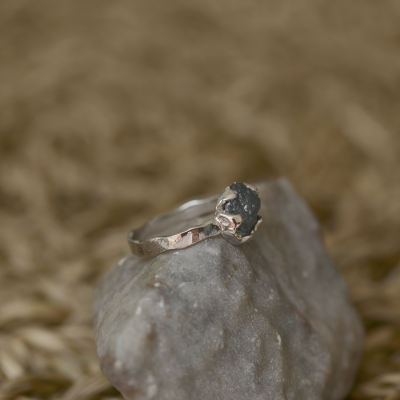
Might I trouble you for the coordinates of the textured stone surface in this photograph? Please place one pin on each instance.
(247, 204)
(268, 320)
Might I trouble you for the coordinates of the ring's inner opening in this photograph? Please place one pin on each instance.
(190, 215)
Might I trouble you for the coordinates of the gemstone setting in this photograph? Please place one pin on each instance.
(236, 213)
(247, 204)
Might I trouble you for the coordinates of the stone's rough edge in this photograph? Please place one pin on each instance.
(247, 204)
(283, 188)
(280, 192)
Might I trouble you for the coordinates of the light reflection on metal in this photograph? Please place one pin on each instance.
(195, 221)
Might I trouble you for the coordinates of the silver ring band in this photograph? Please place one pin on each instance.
(197, 220)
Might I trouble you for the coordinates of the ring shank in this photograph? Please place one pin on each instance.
(189, 224)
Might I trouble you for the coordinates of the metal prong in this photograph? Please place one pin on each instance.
(253, 188)
(228, 194)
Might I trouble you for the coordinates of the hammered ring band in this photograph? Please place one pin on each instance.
(233, 214)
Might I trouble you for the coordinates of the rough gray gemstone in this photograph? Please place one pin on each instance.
(268, 320)
(247, 204)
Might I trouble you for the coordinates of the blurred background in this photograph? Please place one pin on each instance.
(112, 112)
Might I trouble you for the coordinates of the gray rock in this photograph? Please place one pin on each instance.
(268, 320)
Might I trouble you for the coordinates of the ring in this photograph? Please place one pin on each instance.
(233, 214)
